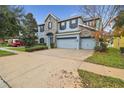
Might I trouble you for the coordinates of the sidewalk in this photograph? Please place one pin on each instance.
(5, 49)
(102, 70)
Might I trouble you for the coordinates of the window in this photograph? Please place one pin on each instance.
(62, 25)
(97, 24)
(49, 25)
(73, 23)
(88, 23)
(41, 28)
(42, 40)
(85, 23)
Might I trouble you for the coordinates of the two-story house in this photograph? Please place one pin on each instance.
(74, 32)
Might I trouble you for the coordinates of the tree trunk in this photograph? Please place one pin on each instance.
(118, 42)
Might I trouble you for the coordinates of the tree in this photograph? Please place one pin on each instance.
(30, 27)
(104, 12)
(10, 20)
(119, 26)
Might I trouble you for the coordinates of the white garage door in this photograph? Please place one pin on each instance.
(88, 43)
(66, 43)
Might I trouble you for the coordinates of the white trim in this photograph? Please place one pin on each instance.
(52, 16)
(87, 26)
(69, 33)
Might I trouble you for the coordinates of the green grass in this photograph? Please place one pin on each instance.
(5, 53)
(22, 49)
(3, 45)
(91, 80)
(111, 58)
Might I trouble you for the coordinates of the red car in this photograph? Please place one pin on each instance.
(16, 43)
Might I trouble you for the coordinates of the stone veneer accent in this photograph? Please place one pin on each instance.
(54, 27)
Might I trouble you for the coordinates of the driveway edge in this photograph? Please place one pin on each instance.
(5, 82)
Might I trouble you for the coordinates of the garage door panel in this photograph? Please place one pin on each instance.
(66, 43)
(88, 43)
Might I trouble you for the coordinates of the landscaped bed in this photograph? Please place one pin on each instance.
(112, 58)
(5, 53)
(91, 80)
(29, 49)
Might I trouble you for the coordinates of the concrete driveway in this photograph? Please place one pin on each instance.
(47, 68)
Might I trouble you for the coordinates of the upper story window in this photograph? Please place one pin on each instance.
(41, 28)
(73, 23)
(62, 25)
(49, 25)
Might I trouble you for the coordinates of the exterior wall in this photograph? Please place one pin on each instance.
(118, 42)
(40, 35)
(65, 36)
(54, 27)
(85, 32)
(80, 21)
(68, 29)
(93, 23)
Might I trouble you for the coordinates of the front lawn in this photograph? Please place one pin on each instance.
(17, 48)
(3, 45)
(5, 53)
(91, 80)
(111, 58)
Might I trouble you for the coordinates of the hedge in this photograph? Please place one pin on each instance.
(35, 48)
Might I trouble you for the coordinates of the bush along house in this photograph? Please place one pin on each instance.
(74, 32)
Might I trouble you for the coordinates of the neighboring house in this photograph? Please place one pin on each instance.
(118, 42)
(74, 32)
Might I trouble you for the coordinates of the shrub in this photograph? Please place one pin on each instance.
(122, 49)
(101, 48)
(52, 45)
(97, 48)
(35, 48)
(3, 44)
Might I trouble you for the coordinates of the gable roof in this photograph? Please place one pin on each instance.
(74, 17)
(55, 17)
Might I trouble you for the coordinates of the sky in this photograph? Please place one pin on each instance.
(40, 12)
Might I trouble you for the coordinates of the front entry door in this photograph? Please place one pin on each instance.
(49, 40)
